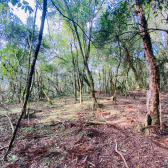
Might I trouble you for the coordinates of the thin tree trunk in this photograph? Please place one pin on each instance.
(103, 80)
(30, 77)
(39, 87)
(92, 91)
(75, 88)
(130, 61)
(106, 82)
(153, 94)
(99, 82)
(38, 77)
(74, 73)
(80, 90)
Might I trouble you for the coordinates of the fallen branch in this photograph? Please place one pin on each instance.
(79, 140)
(91, 164)
(54, 124)
(106, 98)
(10, 123)
(96, 123)
(5, 108)
(3, 148)
(121, 155)
(8, 117)
(103, 118)
(110, 123)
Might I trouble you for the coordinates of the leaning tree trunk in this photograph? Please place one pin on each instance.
(30, 77)
(153, 93)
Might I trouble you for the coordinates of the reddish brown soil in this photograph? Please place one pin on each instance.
(78, 144)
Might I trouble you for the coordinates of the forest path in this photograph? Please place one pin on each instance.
(60, 135)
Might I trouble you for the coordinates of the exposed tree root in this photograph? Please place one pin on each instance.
(159, 143)
(154, 127)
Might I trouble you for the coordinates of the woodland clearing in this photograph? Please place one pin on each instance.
(65, 134)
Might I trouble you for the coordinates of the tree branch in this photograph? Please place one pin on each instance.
(72, 21)
(163, 62)
(121, 155)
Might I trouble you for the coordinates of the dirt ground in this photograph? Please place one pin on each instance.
(70, 135)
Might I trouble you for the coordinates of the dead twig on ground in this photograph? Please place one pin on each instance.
(91, 164)
(109, 123)
(3, 148)
(96, 123)
(8, 117)
(121, 155)
(103, 117)
(80, 139)
(5, 108)
(106, 98)
(10, 123)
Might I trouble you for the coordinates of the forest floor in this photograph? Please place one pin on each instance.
(70, 135)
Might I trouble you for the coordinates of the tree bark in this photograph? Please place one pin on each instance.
(130, 61)
(153, 94)
(30, 76)
(92, 91)
(74, 73)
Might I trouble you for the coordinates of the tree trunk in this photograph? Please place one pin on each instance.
(74, 72)
(30, 76)
(42, 89)
(103, 80)
(75, 89)
(99, 82)
(153, 94)
(39, 87)
(80, 87)
(92, 91)
(130, 61)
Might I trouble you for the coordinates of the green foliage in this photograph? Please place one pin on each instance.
(49, 68)
(14, 158)
(14, 2)
(25, 2)
(112, 23)
(115, 27)
(28, 129)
